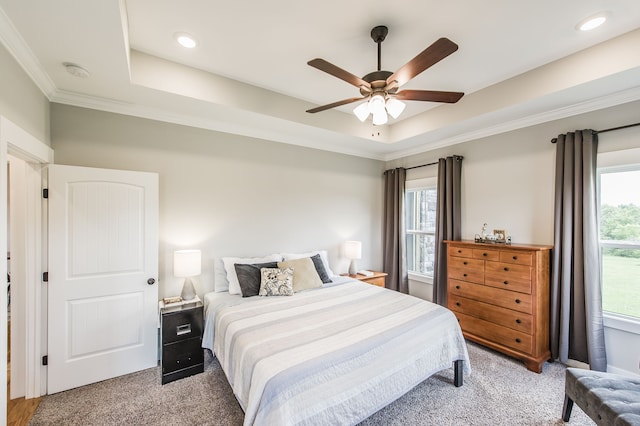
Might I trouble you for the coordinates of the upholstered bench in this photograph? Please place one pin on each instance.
(609, 399)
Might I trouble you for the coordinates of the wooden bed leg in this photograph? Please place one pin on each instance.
(457, 373)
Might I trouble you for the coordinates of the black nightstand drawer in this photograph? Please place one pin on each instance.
(181, 325)
(182, 354)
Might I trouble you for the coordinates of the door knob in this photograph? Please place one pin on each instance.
(151, 281)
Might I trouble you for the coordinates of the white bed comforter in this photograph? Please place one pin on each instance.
(332, 356)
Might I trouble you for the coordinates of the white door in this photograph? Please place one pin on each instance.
(103, 268)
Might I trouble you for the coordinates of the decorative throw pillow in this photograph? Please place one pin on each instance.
(305, 275)
(249, 277)
(322, 272)
(323, 255)
(276, 282)
(234, 285)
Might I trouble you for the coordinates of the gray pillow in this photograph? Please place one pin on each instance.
(322, 272)
(249, 277)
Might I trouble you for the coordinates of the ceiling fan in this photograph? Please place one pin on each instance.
(380, 88)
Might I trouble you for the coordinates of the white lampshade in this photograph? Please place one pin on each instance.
(187, 263)
(353, 249)
(395, 107)
(362, 111)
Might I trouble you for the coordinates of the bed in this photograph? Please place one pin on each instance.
(329, 355)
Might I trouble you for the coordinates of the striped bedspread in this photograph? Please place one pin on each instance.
(332, 356)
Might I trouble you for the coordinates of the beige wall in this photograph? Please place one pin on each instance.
(231, 195)
(21, 101)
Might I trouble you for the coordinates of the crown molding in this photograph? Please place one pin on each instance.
(591, 105)
(137, 110)
(18, 48)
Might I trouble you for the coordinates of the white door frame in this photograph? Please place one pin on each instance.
(19, 143)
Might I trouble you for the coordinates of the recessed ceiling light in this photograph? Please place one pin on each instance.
(592, 22)
(186, 40)
(75, 70)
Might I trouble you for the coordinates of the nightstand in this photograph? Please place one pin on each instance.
(378, 278)
(182, 353)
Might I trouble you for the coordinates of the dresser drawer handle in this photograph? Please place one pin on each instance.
(518, 340)
(515, 257)
(459, 251)
(464, 263)
(457, 303)
(464, 275)
(484, 254)
(506, 283)
(506, 269)
(183, 329)
(517, 300)
(518, 321)
(457, 287)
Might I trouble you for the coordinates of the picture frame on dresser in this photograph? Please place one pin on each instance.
(500, 295)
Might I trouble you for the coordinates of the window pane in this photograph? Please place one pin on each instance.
(621, 282)
(420, 253)
(620, 236)
(420, 216)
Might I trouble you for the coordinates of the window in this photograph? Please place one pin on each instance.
(620, 239)
(420, 222)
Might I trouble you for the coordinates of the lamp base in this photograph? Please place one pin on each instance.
(188, 291)
(352, 267)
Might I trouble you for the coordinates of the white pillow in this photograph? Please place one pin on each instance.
(232, 277)
(220, 282)
(323, 256)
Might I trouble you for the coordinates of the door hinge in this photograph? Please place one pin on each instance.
(45, 193)
(45, 277)
(45, 360)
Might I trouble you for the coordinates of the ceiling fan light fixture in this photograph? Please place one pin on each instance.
(395, 107)
(362, 111)
(380, 118)
(376, 104)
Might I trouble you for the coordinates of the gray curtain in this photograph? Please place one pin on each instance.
(395, 262)
(576, 297)
(447, 221)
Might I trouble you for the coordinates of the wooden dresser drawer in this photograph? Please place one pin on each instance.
(506, 283)
(507, 299)
(508, 271)
(516, 257)
(506, 317)
(466, 269)
(513, 339)
(460, 251)
(493, 255)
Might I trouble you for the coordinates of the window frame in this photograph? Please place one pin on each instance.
(616, 162)
(418, 185)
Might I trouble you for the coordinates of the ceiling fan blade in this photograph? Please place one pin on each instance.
(335, 71)
(335, 104)
(433, 54)
(429, 95)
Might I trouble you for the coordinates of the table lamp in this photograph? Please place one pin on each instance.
(187, 264)
(353, 251)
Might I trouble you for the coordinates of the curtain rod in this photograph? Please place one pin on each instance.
(457, 157)
(617, 128)
(554, 140)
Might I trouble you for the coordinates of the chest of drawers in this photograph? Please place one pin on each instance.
(500, 295)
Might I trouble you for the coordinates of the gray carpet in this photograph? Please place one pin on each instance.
(500, 391)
